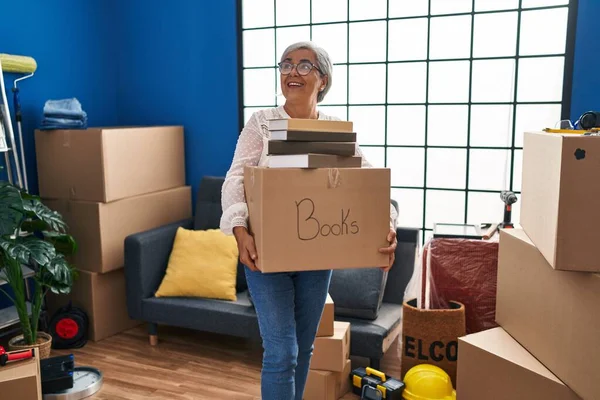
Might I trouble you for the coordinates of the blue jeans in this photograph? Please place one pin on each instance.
(289, 308)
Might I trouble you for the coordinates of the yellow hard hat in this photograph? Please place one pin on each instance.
(428, 382)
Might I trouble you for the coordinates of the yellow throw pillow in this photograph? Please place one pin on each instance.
(202, 264)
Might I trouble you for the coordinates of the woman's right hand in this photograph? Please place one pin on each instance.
(246, 247)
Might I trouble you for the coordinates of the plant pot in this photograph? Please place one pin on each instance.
(43, 345)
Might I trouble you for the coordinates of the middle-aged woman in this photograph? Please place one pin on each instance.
(288, 305)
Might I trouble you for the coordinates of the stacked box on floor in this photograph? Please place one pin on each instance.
(313, 194)
(108, 183)
(548, 280)
(329, 374)
(493, 365)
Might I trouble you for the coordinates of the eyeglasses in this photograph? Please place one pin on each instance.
(303, 68)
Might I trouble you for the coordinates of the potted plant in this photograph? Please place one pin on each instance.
(34, 236)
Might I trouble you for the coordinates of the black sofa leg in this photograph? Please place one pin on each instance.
(375, 363)
(153, 333)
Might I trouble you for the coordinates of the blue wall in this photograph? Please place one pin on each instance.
(74, 48)
(178, 65)
(136, 64)
(586, 78)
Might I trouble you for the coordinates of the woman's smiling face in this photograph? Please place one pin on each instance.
(301, 88)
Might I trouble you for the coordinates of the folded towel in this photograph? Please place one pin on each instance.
(64, 114)
(64, 107)
(64, 121)
(51, 126)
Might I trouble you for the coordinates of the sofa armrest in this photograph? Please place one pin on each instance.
(146, 258)
(404, 265)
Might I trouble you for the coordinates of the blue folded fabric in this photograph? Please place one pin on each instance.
(64, 107)
(64, 121)
(64, 114)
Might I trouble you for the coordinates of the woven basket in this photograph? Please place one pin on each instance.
(43, 346)
(430, 336)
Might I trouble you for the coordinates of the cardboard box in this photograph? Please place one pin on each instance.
(21, 380)
(331, 352)
(328, 385)
(492, 365)
(327, 319)
(101, 228)
(295, 214)
(320, 385)
(553, 314)
(342, 379)
(558, 211)
(107, 164)
(103, 298)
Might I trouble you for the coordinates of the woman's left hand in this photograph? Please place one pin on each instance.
(391, 250)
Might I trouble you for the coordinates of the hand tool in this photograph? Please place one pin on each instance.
(509, 198)
(6, 357)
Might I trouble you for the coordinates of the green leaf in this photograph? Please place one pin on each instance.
(36, 225)
(63, 243)
(34, 208)
(29, 249)
(11, 208)
(58, 275)
(28, 196)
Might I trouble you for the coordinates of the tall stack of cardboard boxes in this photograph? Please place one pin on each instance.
(548, 289)
(329, 374)
(109, 183)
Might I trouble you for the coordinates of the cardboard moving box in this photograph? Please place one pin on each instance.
(332, 352)
(101, 228)
(553, 314)
(21, 380)
(320, 385)
(343, 384)
(310, 219)
(107, 164)
(559, 186)
(103, 297)
(328, 385)
(492, 365)
(327, 319)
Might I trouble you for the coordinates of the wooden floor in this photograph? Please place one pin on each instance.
(186, 365)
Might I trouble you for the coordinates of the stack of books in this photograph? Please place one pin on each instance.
(310, 143)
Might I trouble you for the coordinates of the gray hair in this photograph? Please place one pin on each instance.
(323, 62)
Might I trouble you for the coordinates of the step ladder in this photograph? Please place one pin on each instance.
(7, 137)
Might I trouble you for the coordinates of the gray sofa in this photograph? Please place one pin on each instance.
(370, 300)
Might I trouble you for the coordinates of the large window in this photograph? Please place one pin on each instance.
(440, 91)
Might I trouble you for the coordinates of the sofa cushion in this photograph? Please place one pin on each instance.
(208, 215)
(358, 292)
(201, 264)
(236, 318)
(367, 337)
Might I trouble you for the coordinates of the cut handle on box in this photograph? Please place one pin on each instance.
(334, 179)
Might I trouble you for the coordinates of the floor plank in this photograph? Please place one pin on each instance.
(186, 365)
